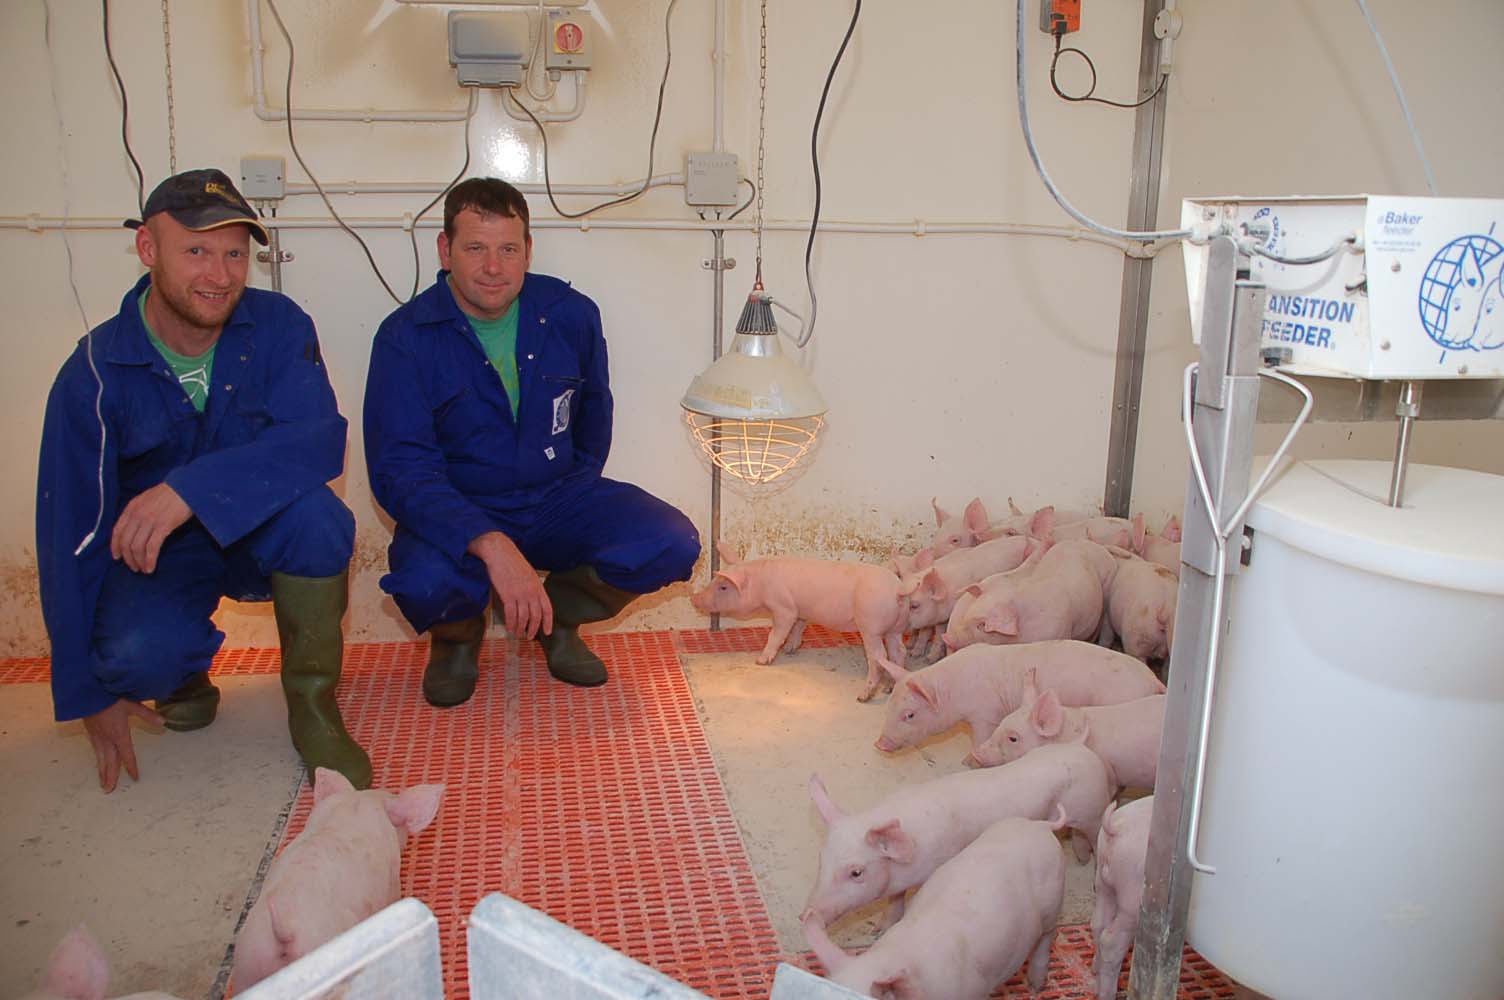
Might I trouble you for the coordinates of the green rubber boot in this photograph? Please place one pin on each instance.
(308, 611)
(453, 661)
(579, 596)
(192, 706)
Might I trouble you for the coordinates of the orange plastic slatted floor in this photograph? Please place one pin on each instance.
(601, 808)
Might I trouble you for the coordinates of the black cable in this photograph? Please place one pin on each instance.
(272, 6)
(668, 58)
(750, 199)
(124, 113)
(1093, 88)
(413, 232)
(814, 153)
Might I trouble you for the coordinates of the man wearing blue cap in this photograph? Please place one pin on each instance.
(186, 450)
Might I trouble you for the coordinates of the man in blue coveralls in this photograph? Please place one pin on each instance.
(487, 424)
(186, 448)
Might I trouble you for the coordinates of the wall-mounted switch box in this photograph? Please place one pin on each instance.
(263, 177)
(568, 43)
(710, 179)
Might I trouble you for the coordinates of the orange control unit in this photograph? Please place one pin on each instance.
(1055, 13)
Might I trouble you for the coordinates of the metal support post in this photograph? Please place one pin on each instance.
(1407, 409)
(718, 268)
(1226, 395)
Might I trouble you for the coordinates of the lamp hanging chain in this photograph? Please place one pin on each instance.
(172, 130)
(762, 118)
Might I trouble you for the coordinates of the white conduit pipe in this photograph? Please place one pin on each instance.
(718, 63)
(431, 187)
(550, 117)
(36, 223)
(270, 114)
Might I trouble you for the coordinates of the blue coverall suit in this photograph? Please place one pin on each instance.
(252, 467)
(449, 462)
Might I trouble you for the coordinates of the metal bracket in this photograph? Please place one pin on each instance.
(724, 264)
(265, 256)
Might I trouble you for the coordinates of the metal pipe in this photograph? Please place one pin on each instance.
(1407, 410)
(434, 187)
(718, 64)
(274, 247)
(718, 269)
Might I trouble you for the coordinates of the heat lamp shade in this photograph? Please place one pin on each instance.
(754, 381)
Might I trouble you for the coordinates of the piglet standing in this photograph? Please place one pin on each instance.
(885, 850)
(1163, 548)
(846, 596)
(1141, 606)
(1126, 736)
(935, 584)
(1062, 596)
(78, 970)
(1122, 848)
(978, 919)
(981, 684)
(344, 867)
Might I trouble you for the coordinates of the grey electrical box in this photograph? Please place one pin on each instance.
(488, 49)
(263, 177)
(569, 40)
(710, 178)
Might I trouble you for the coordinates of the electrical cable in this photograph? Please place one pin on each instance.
(750, 199)
(72, 279)
(1092, 68)
(668, 58)
(276, 16)
(1400, 93)
(814, 154)
(527, 76)
(125, 137)
(413, 232)
(1023, 115)
(1315, 258)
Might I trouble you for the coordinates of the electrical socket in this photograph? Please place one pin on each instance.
(263, 178)
(710, 179)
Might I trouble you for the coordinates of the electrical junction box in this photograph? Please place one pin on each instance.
(489, 48)
(569, 40)
(710, 179)
(1420, 299)
(1053, 12)
(263, 177)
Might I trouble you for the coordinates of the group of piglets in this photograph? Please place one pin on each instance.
(344, 867)
(1015, 620)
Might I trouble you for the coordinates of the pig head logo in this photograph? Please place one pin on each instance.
(1461, 301)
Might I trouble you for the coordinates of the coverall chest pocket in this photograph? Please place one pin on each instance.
(563, 395)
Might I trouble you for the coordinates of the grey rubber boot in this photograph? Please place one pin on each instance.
(308, 611)
(579, 596)
(453, 661)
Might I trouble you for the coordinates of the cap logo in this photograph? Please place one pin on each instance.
(214, 187)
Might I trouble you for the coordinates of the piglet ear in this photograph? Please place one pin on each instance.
(1031, 686)
(77, 969)
(1002, 620)
(415, 808)
(975, 516)
(327, 783)
(922, 692)
(892, 842)
(940, 515)
(1013, 508)
(1042, 524)
(729, 556)
(735, 576)
(892, 669)
(1138, 532)
(1171, 532)
(1047, 717)
(829, 811)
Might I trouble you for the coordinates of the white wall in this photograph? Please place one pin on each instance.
(954, 365)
